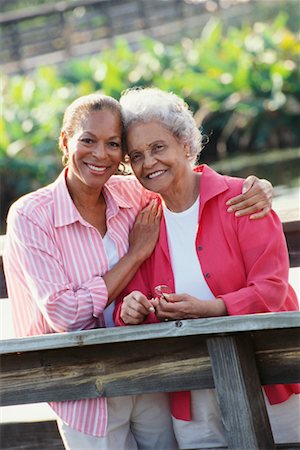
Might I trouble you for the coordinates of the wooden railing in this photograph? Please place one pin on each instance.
(74, 28)
(233, 354)
(236, 355)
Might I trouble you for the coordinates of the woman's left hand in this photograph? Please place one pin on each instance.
(184, 306)
(256, 198)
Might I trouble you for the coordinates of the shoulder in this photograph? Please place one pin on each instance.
(34, 205)
(218, 185)
(126, 187)
(234, 184)
(121, 182)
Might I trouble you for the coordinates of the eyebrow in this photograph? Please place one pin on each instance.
(92, 134)
(162, 141)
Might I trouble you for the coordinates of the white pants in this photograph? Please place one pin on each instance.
(134, 422)
(206, 429)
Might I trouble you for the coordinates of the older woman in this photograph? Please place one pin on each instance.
(214, 264)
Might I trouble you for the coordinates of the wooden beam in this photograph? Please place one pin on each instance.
(151, 358)
(30, 436)
(45, 10)
(292, 236)
(206, 326)
(238, 389)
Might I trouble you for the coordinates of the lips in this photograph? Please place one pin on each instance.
(98, 169)
(155, 174)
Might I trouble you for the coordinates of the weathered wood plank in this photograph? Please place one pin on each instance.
(274, 350)
(213, 325)
(122, 367)
(106, 370)
(44, 435)
(292, 236)
(45, 10)
(239, 393)
(30, 436)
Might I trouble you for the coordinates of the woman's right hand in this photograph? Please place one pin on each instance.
(135, 308)
(145, 232)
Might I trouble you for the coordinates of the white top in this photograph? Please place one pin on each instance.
(181, 230)
(112, 258)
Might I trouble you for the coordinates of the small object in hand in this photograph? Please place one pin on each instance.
(162, 289)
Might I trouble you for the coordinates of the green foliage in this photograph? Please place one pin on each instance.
(242, 84)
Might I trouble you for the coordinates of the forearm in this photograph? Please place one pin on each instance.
(121, 274)
(184, 306)
(212, 308)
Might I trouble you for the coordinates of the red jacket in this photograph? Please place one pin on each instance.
(245, 262)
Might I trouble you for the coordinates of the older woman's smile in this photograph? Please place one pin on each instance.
(155, 174)
(153, 146)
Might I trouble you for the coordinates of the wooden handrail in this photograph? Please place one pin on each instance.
(45, 10)
(182, 355)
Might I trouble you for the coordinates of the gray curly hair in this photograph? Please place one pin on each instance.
(143, 105)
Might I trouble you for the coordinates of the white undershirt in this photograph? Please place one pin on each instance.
(181, 230)
(112, 258)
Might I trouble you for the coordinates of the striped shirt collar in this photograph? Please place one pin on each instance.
(65, 212)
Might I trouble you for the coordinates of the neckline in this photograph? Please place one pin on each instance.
(195, 205)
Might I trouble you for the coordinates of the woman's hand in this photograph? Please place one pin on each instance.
(184, 306)
(135, 308)
(145, 232)
(142, 240)
(256, 198)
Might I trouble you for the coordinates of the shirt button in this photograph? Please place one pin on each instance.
(200, 248)
(207, 275)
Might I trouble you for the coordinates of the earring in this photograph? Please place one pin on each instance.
(65, 159)
(123, 169)
(188, 155)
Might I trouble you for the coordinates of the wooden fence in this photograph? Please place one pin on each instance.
(236, 355)
(81, 27)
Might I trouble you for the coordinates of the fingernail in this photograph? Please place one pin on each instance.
(151, 309)
(230, 209)
(237, 214)
(166, 296)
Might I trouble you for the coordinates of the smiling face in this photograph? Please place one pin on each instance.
(157, 158)
(94, 151)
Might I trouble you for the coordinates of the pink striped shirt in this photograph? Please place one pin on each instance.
(54, 262)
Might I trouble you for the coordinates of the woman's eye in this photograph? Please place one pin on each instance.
(158, 148)
(115, 144)
(86, 140)
(135, 157)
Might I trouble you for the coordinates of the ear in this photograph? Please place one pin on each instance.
(186, 149)
(64, 141)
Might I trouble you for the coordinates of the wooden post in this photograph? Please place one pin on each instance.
(239, 393)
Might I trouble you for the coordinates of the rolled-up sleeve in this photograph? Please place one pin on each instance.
(265, 257)
(36, 270)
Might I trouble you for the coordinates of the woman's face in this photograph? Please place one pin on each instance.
(157, 158)
(94, 151)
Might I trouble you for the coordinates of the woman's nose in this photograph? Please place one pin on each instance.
(99, 150)
(149, 160)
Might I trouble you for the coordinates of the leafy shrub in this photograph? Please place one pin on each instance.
(242, 84)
